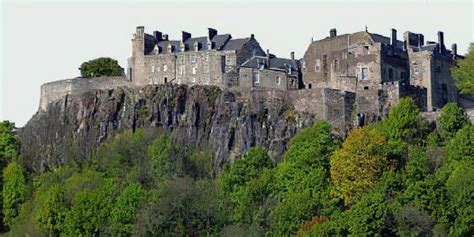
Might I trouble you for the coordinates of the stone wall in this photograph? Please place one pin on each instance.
(269, 79)
(55, 90)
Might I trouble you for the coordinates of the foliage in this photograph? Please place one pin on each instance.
(8, 143)
(356, 167)
(14, 191)
(390, 178)
(463, 74)
(101, 67)
(451, 119)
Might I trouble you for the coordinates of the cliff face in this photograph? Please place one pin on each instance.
(72, 127)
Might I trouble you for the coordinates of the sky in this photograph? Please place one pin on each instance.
(43, 41)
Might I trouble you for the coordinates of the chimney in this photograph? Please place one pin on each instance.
(292, 56)
(454, 49)
(394, 38)
(332, 33)
(140, 30)
(211, 33)
(442, 48)
(421, 40)
(158, 35)
(185, 36)
(165, 37)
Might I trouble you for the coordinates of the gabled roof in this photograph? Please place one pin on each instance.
(272, 63)
(235, 44)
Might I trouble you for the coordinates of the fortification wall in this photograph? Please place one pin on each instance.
(55, 90)
(335, 106)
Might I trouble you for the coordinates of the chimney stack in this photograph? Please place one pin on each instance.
(211, 33)
(165, 37)
(292, 56)
(332, 33)
(421, 40)
(394, 37)
(454, 49)
(185, 36)
(158, 35)
(442, 48)
(140, 30)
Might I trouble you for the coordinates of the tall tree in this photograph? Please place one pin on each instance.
(14, 191)
(464, 73)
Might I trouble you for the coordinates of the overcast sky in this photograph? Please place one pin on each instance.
(45, 41)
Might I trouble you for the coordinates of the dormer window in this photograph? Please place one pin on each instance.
(170, 48)
(156, 50)
(196, 46)
(209, 45)
(260, 64)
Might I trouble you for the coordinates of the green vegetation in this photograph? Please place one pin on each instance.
(101, 67)
(464, 73)
(396, 177)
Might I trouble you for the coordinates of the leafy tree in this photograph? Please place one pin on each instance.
(451, 119)
(184, 207)
(463, 74)
(101, 67)
(51, 209)
(356, 167)
(247, 182)
(124, 211)
(167, 159)
(461, 147)
(14, 193)
(8, 142)
(411, 220)
(460, 190)
(245, 168)
(89, 211)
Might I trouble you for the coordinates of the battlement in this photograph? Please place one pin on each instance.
(55, 90)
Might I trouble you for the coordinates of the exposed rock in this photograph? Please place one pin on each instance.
(71, 128)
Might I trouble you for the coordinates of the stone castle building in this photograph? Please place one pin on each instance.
(359, 75)
(381, 70)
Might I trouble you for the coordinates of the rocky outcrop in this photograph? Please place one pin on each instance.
(72, 127)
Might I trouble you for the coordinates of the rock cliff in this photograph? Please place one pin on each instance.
(72, 127)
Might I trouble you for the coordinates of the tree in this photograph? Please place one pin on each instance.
(101, 67)
(463, 74)
(8, 142)
(124, 212)
(451, 119)
(14, 193)
(356, 167)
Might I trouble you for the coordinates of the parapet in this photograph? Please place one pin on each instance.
(55, 90)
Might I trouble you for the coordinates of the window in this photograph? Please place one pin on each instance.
(390, 74)
(193, 58)
(194, 70)
(261, 64)
(444, 93)
(336, 65)
(403, 75)
(196, 46)
(193, 80)
(364, 73)
(181, 70)
(416, 69)
(317, 66)
(165, 68)
(255, 79)
(209, 45)
(153, 68)
(207, 57)
(325, 63)
(277, 80)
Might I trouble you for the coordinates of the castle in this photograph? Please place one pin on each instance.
(371, 72)
(378, 69)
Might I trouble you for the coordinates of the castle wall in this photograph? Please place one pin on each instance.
(268, 79)
(55, 90)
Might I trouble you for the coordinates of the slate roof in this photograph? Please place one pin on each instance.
(220, 42)
(272, 63)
